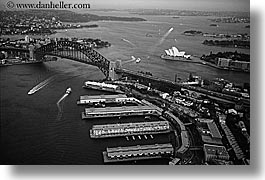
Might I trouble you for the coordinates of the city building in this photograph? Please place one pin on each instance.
(209, 132)
(215, 152)
(241, 65)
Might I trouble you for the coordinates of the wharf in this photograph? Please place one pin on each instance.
(129, 129)
(104, 89)
(139, 152)
(91, 113)
(120, 98)
(10, 62)
(109, 160)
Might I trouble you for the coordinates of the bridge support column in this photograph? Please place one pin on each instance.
(118, 64)
(112, 71)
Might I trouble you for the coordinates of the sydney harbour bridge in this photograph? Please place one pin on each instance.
(67, 49)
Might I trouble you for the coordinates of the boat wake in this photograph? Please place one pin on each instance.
(134, 59)
(41, 85)
(60, 107)
(163, 38)
(129, 42)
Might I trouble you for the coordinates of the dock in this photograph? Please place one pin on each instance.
(92, 113)
(129, 129)
(119, 98)
(139, 152)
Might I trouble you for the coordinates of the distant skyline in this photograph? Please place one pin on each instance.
(200, 5)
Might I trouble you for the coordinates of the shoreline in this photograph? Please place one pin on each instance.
(205, 64)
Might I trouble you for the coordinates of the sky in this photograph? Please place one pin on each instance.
(201, 5)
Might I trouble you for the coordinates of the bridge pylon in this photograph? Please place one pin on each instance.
(112, 69)
(112, 66)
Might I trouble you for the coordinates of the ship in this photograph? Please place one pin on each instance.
(138, 60)
(68, 90)
(102, 86)
(175, 55)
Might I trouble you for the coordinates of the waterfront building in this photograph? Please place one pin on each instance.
(91, 113)
(241, 65)
(223, 62)
(138, 152)
(129, 129)
(120, 98)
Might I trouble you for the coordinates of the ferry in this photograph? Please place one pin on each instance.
(32, 91)
(102, 86)
(68, 90)
(175, 55)
(138, 60)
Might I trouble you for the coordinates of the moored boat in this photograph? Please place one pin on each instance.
(102, 86)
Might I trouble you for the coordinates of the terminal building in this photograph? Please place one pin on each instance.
(91, 113)
(129, 129)
(120, 98)
(139, 152)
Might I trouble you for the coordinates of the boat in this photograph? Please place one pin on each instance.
(138, 60)
(214, 25)
(175, 55)
(32, 91)
(148, 35)
(102, 86)
(133, 58)
(68, 90)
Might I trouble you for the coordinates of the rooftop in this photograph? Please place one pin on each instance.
(214, 130)
(103, 96)
(128, 125)
(118, 109)
(215, 150)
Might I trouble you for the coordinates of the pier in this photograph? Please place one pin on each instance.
(120, 98)
(129, 129)
(91, 113)
(139, 152)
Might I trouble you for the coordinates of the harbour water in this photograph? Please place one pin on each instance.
(31, 133)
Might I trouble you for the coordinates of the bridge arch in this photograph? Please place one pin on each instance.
(74, 51)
